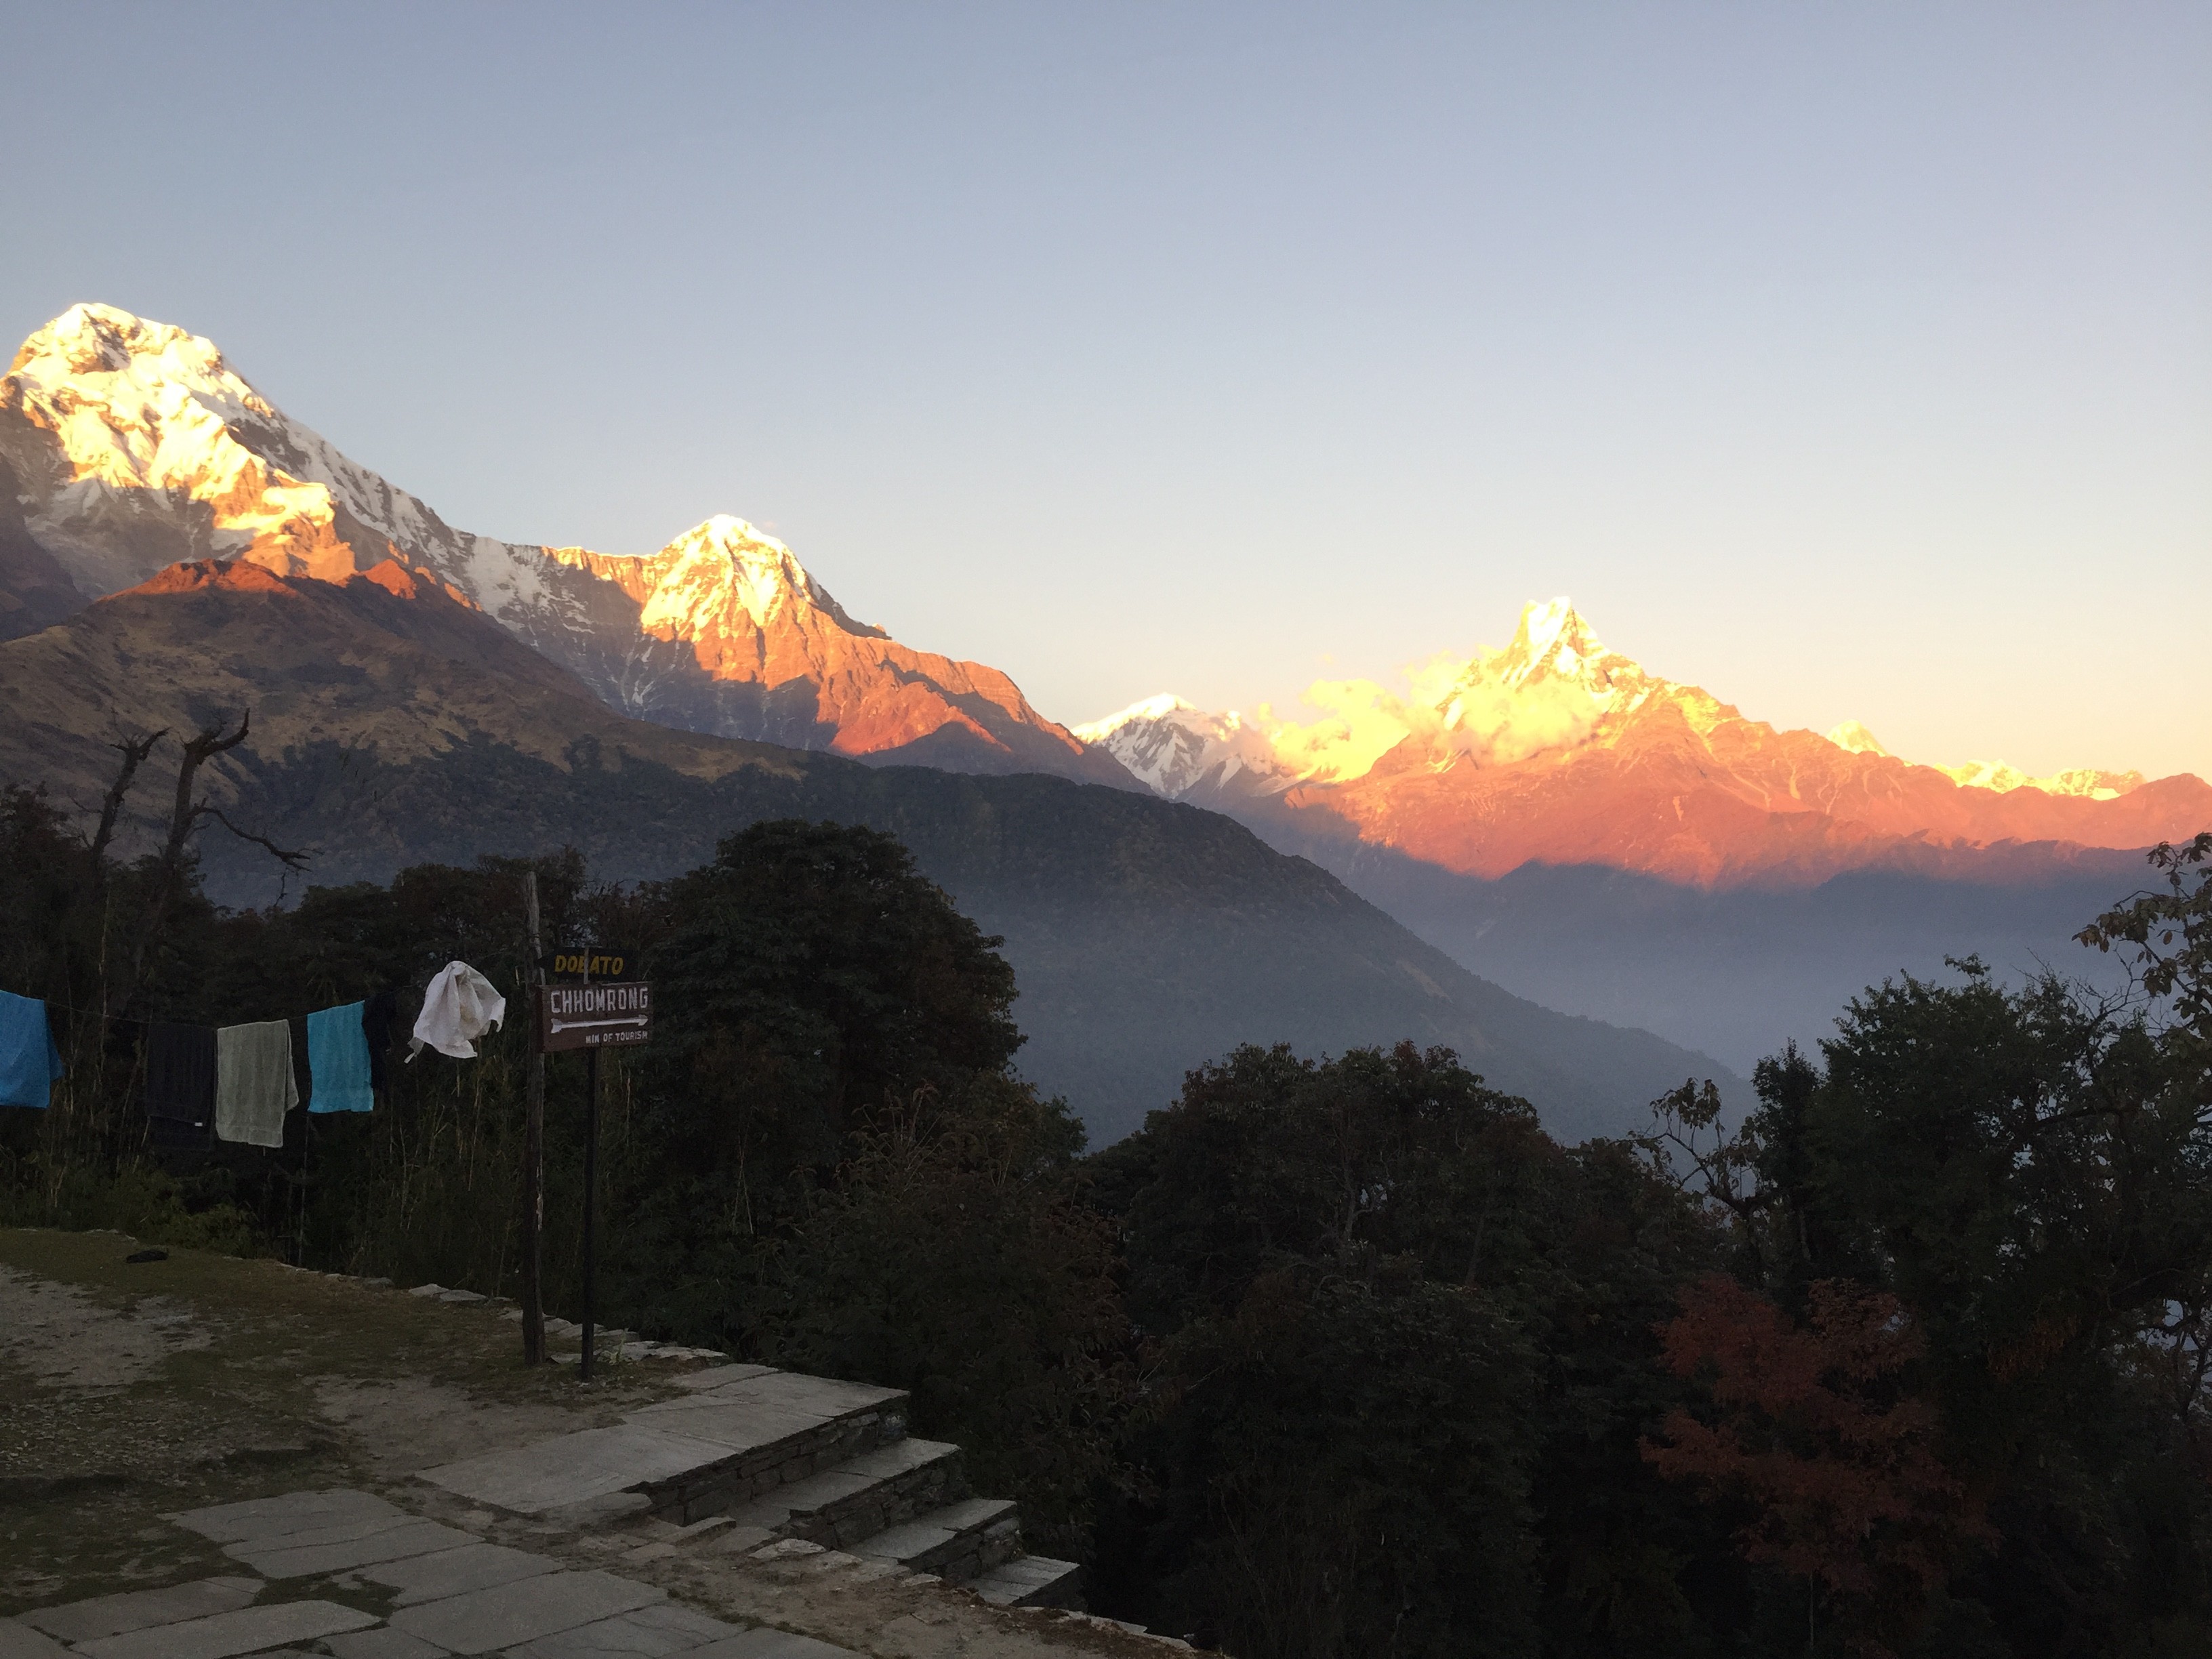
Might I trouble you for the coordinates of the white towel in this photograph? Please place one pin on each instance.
(253, 1083)
(459, 1007)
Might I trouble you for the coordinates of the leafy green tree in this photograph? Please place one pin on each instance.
(1408, 1355)
(953, 1255)
(806, 982)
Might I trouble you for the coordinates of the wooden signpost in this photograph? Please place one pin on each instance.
(590, 1015)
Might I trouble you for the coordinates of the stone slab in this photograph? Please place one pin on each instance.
(296, 1511)
(507, 1615)
(940, 1526)
(473, 1567)
(292, 1560)
(1011, 1584)
(648, 1633)
(822, 1396)
(303, 1538)
(110, 1615)
(765, 1643)
(249, 1629)
(20, 1641)
(904, 1543)
(574, 1468)
(1032, 1570)
(386, 1644)
(847, 1480)
(739, 1425)
(717, 1376)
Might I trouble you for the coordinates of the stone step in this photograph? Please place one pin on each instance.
(739, 1432)
(957, 1541)
(860, 1496)
(1032, 1581)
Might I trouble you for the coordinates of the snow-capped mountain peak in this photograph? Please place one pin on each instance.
(90, 338)
(2083, 781)
(1173, 747)
(726, 563)
(1551, 639)
(134, 407)
(1853, 739)
(130, 446)
(1553, 651)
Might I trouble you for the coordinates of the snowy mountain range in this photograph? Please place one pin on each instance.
(128, 445)
(1557, 750)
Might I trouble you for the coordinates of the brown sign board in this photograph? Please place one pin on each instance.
(613, 1015)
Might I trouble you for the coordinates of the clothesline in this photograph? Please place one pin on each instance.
(239, 1080)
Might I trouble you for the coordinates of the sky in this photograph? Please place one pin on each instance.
(1853, 362)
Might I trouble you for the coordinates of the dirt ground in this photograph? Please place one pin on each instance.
(131, 1390)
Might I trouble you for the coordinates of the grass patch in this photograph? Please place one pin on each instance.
(87, 1471)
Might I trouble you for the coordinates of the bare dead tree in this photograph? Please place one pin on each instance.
(199, 749)
(134, 751)
(184, 818)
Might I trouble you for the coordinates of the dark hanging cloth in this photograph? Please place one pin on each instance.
(166, 1134)
(180, 1074)
(379, 1024)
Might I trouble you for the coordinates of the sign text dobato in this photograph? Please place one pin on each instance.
(582, 961)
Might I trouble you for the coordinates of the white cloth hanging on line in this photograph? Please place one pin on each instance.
(459, 1007)
(253, 1082)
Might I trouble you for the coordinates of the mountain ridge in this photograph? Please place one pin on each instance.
(391, 729)
(1557, 751)
(133, 445)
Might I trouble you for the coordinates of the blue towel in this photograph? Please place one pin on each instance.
(29, 1061)
(338, 1061)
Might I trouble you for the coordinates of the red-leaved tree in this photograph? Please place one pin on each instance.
(1813, 1429)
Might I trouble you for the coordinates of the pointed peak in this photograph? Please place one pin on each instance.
(732, 534)
(91, 338)
(762, 576)
(1854, 738)
(1162, 706)
(1551, 639)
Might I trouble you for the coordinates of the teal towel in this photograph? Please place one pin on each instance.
(338, 1061)
(29, 1061)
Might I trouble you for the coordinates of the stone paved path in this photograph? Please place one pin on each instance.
(205, 1455)
(348, 1574)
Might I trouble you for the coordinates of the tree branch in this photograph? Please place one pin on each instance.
(134, 751)
(290, 859)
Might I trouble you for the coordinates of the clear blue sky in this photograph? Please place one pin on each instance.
(1850, 360)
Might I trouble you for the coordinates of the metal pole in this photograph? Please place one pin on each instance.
(533, 1151)
(591, 1196)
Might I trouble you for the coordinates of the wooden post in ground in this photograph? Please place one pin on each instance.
(533, 1151)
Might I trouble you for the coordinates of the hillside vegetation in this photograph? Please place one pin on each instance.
(1342, 1356)
(390, 730)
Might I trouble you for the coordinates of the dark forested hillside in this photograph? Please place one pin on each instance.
(392, 729)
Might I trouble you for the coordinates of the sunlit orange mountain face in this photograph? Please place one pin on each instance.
(1596, 837)
(1557, 751)
(1623, 846)
(127, 445)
